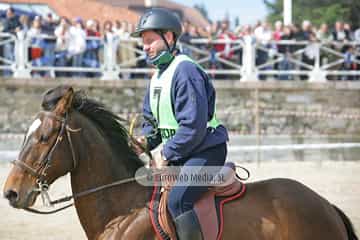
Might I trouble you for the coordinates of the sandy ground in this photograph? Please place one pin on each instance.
(337, 181)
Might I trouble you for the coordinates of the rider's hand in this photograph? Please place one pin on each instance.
(139, 144)
(158, 160)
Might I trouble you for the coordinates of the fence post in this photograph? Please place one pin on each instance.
(257, 126)
(110, 69)
(248, 71)
(21, 56)
(317, 74)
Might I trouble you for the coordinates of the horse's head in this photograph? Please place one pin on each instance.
(46, 153)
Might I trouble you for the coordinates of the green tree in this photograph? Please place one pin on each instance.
(202, 9)
(317, 11)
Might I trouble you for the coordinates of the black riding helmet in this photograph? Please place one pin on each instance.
(159, 20)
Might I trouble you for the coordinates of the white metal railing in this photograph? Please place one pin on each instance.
(7, 59)
(11, 154)
(251, 148)
(239, 59)
(319, 70)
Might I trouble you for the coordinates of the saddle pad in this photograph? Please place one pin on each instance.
(209, 210)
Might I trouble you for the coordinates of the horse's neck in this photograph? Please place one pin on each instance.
(95, 211)
(96, 168)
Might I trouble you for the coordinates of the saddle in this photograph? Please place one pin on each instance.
(209, 208)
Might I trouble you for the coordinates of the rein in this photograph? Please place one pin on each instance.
(100, 188)
(78, 195)
(40, 173)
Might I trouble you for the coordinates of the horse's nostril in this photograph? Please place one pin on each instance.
(11, 195)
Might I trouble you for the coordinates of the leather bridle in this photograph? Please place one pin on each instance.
(41, 172)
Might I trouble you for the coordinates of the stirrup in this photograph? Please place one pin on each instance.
(188, 227)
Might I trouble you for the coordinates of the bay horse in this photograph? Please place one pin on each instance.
(79, 135)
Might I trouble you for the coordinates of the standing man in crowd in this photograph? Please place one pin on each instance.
(11, 25)
(181, 100)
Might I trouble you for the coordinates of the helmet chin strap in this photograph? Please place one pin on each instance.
(164, 56)
(166, 42)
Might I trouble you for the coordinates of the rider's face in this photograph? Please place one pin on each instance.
(153, 43)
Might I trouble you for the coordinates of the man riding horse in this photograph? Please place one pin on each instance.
(180, 99)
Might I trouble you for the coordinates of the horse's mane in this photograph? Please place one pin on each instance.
(106, 121)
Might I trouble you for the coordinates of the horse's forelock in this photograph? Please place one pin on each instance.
(52, 96)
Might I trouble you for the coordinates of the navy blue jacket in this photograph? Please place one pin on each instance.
(193, 99)
(10, 24)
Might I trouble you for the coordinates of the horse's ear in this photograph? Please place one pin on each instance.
(65, 102)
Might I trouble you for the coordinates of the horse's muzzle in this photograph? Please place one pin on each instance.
(17, 201)
(12, 196)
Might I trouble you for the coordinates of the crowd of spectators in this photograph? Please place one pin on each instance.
(285, 41)
(79, 43)
(76, 43)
